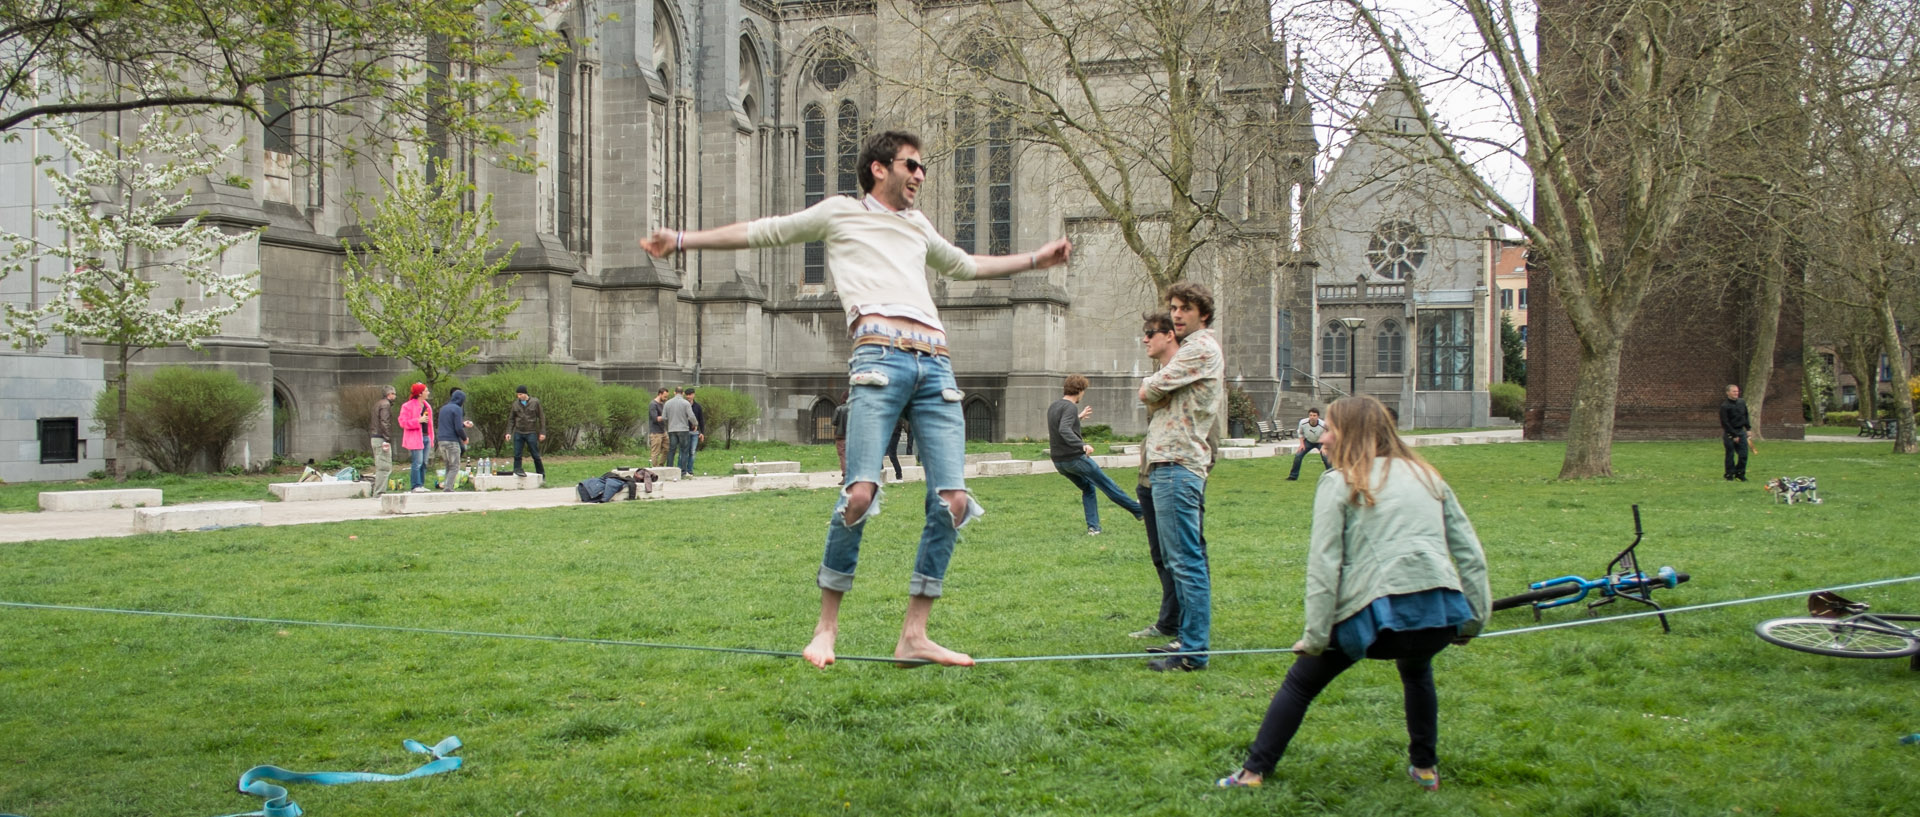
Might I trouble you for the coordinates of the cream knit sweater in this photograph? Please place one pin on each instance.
(877, 256)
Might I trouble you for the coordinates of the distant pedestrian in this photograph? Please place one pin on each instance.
(658, 455)
(680, 431)
(840, 432)
(902, 430)
(1394, 572)
(527, 427)
(1735, 430)
(1071, 454)
(699, 427)
(1309, 433)
(416, 426)
(450, 436)
(382, 440)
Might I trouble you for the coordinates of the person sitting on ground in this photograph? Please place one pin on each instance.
(1394, 571)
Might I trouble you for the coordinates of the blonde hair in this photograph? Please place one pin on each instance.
(1362, 431)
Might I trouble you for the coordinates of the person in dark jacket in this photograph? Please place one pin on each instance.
(658, 453)
(840, 432)
(382, 440)
(1735, 430)
(1070, 454)
(699, 427)
(450, 436)
(527, 427)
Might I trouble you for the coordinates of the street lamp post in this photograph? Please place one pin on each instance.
(1353, 353)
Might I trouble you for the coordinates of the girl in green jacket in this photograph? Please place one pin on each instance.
(1394, 571)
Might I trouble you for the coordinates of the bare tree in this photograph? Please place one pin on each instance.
(1163, 111)
(1864, 91)
(1615, 104)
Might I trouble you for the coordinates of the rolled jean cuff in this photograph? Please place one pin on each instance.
(837, 581)
(922, 586)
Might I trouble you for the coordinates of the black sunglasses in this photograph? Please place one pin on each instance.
(913, 166)
(1152, 332)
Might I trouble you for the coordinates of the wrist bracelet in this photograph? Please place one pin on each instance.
(679, 240)
(1033, 260)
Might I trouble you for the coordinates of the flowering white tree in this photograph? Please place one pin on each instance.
(124, 241)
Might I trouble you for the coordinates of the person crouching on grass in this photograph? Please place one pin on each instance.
(1394, 571)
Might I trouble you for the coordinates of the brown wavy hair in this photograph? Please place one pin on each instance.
(1363, 431)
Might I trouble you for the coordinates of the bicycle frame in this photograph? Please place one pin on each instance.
(1622, 584)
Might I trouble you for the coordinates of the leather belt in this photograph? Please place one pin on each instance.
(905, 344)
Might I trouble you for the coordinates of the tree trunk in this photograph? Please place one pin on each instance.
(117, 464)
(1596, 390)
(1766, 327)
(1903, 441)
(1857, 355)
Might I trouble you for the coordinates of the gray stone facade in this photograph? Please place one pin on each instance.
(693, 115)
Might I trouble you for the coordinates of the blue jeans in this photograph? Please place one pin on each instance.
(887, 383)
(1169, 618)
(1178, 496)
(680, 451)
(1302, 453)
(528, 441)
(1088, 477)
(419, 472)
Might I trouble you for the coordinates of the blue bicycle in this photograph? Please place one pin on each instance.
(1624, 580)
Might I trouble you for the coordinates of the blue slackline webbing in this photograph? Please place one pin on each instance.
(263, 781)
(888, 659)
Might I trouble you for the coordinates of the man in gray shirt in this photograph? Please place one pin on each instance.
(1069, 453)
(1309, 432)
(681, 428)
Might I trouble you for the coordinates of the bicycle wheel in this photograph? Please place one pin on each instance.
(1840, 639)
(1532, 596)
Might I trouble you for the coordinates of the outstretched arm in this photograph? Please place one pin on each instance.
(664, 242)
(1055, 253)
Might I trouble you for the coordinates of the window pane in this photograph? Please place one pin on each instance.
(59, 440)
(1446, 350)
(814, 176)
(999, 189)
(849, 141)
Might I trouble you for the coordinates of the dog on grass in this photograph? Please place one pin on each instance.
(1795, 489)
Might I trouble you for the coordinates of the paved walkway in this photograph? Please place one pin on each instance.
(28, 527)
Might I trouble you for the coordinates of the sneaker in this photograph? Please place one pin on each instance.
(1234, 781)
(1093, 530)
(1171, 646)
(519, 473)
(1150, 632)
(1293, 479)
(1429, 780)
(1178, 663)
(420, 490)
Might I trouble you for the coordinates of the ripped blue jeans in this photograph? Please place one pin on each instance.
(887, 383)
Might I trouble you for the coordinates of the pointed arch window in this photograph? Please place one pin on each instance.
(847, 129)
(813, 125)
(1335, 348)
(983, 184)
(1390, 349)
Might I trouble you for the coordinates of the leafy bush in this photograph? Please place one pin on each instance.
(570, 399)
(1843, 418)
(1509, 399)
(1097, 433)
(727, 410)
(180, 415)
(1240, 409)
(626, 408)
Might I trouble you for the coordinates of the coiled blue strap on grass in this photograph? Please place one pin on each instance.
(264, 781)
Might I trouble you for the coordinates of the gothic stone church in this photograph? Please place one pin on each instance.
(705, 112)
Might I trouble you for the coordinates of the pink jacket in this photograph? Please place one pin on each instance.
(416, 424)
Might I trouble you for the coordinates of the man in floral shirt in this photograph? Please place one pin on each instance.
(1192, 387)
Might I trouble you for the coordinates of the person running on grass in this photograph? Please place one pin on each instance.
(879, 248)
(1394, 571)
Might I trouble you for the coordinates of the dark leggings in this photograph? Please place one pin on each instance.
(1413, 651)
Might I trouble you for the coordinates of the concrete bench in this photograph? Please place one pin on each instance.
(1002, 468)
(768, 467)
(1238, 442)
(403, 502)
(1117, 460)
(1130, 448)
(199, 516)
(310, 491)
(1044, 467)
(99, 500)
(771, 482)
(908, 473)
(1236, 453)
(508, 482)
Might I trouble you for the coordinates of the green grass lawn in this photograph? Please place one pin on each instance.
(123, 715)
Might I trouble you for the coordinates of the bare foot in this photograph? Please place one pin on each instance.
(924, 650)
(819, 651)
